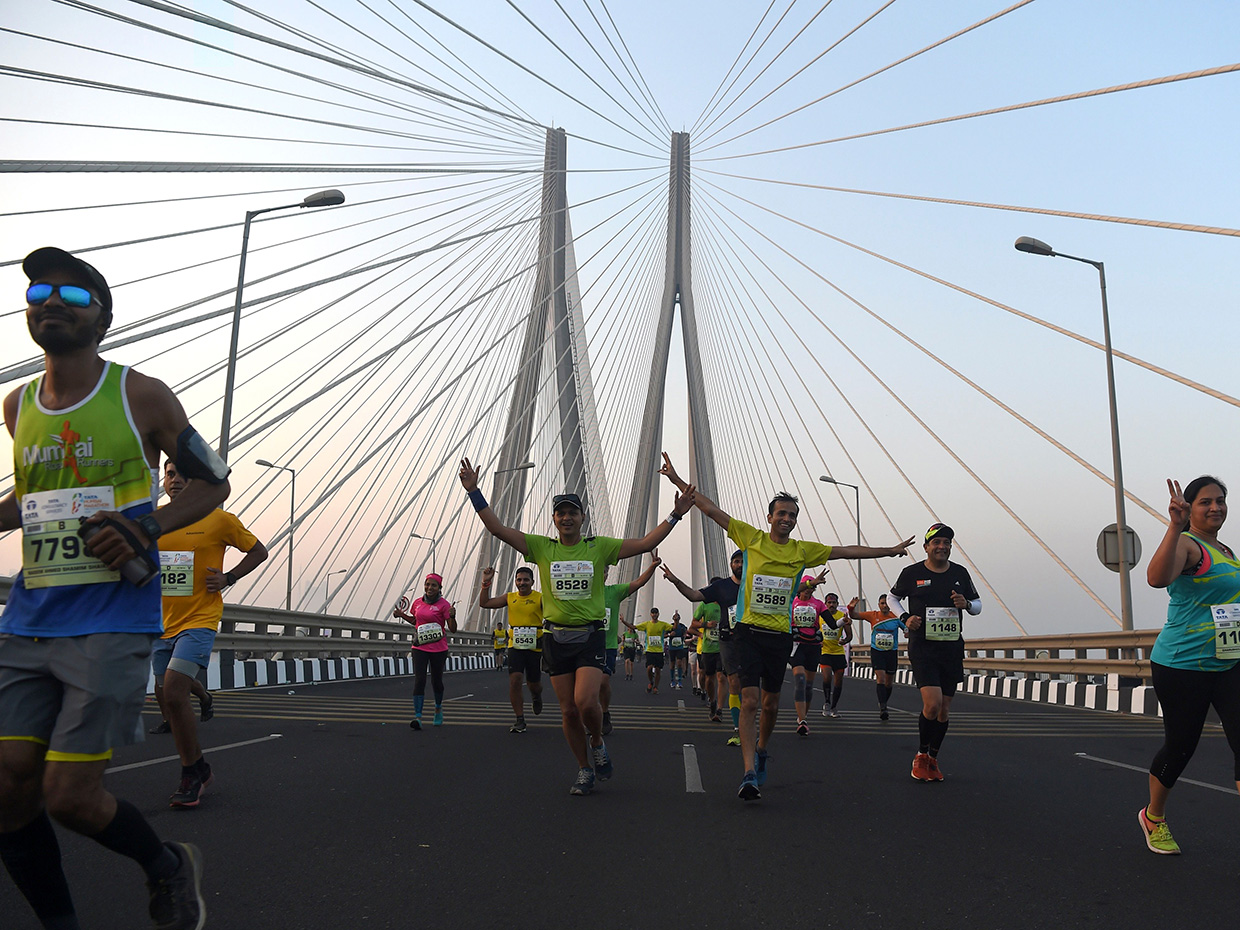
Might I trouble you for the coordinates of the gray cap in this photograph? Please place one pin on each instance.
(41, 261)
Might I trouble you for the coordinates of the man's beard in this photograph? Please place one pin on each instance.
(62, 341)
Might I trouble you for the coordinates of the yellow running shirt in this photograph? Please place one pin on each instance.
(184, 556)
(525, 621)
(654, 630)
(831, 638)
(771, 575)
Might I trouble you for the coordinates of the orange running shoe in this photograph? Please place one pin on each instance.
(921, 766)
(936, 774)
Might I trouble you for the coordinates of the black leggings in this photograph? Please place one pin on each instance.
(436, 662)
(1186, 696)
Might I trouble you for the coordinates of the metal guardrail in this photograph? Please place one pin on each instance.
(314, 634)
(275, 630)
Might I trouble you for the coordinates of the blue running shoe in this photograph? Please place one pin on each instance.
(760, 767)
(438, 721)
(749, 788)
(584, 783)
(602, 762)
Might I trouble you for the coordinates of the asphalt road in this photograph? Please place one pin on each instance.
(347, 819)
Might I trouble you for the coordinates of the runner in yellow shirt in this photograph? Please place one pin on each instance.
(837, 633)
(191, 562)
(773, 565)
(656, 631)
(499, 642)
(525, 633)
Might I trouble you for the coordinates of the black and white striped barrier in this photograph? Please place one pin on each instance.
(1111, 696)
(226, 673)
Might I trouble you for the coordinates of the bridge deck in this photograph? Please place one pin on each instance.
(350, 819)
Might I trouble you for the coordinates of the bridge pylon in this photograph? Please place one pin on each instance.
(709, 556)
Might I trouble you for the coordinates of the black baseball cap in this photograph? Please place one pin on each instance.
(573, 499)
(940, 529)
(41, 261)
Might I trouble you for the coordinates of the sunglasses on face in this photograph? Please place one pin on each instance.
(70, 294)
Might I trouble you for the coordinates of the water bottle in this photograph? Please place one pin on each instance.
(140, 569)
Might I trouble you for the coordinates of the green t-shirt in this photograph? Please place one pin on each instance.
(654, 630)
(573, 577)
(708, 613)
(613, 594)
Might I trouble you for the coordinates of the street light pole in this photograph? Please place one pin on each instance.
(432, 542)
(1038, 247)
(292, 522)
(327, 583)
(327, 198)
(856, 490)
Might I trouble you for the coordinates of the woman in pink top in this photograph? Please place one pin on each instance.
(806, 609)
(432, 618)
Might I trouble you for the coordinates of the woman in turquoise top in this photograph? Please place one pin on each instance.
(1195, 662)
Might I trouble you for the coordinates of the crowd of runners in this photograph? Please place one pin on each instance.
(86, 622)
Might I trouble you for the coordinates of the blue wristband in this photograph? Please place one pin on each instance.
(479, 502)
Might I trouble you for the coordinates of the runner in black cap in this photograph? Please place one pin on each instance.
(936, 590)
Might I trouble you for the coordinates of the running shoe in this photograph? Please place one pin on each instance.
(602, 762)
(760, 766)
(734, 739)
(649, 688)
(584, 783)
(206, 709)
(749, 787)
(921, 766)
(537, 704)
(716, 717)
(826, 712)
(1158, 836)
(802, 728)
(519, 726)
(191, 788)
(438, 721)
(834, 712)
(656, 691)
(606, 722)
(415, 723)
(883, 715)
(176, 901)
(936, 773)
(164, 727)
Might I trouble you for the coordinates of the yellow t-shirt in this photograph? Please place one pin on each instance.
(525, 621)
(499, 637)
(831, 638)
(654, 630)
(772, 573)
(185, 555)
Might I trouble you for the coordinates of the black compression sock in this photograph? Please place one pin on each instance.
(130, 835)
(936, 740)
(925, 731)
(881, 692)
(835, 696)
(32, 856)
(888, 689)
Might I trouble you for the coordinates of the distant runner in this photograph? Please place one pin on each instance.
(836, 634)
(433, 619)
(885, 629)
(525, 621)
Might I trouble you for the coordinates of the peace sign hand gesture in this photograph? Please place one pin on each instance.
(1179, 509)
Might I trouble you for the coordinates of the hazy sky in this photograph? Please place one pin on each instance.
(797, 371)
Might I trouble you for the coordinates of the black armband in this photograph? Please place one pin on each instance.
(198, 461)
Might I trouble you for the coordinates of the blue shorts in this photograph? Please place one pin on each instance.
(186, 652)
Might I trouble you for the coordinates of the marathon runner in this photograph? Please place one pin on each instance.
(656, 631)
(836, 634)
(432, 618)
(713, 682)
(678, 651)
(499, 642)
(807, 636)
(885, 629)
(630, 649)
(525, 620)
(75, 636)
(723, 593)
(774, 562)
(192, 583)
(573, 570)
(937, 590)
(613, 594)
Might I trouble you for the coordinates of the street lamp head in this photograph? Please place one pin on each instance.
(1033, 246)
(324, 199)
(828, 479)
(264, 462)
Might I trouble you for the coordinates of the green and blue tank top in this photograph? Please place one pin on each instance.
(68, 464)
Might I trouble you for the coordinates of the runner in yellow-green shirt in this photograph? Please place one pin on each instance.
(573, 570)
(524, 639)
(773, 565)
(655, 631)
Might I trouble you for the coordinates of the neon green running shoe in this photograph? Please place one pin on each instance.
(1158, 836)
(734, 739)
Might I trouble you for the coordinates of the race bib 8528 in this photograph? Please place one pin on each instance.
(572, 580)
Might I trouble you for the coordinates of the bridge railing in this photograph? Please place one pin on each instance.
(314, 634)
(1081, 655)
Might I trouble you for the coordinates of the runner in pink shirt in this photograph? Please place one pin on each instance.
(806, 609)
(432, 618)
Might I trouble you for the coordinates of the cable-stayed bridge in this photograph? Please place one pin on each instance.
(523, 229)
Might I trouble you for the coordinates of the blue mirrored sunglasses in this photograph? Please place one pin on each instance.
(70, 294)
